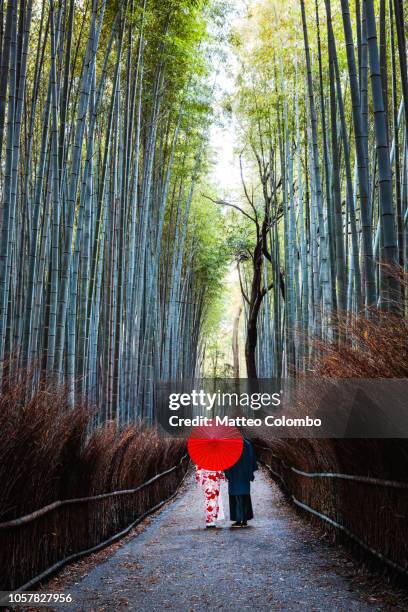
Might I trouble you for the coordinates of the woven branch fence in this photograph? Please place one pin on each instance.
(36, 545)
(372, 513)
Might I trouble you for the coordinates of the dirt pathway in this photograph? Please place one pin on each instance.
(279, 563)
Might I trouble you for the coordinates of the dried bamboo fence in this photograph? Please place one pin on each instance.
(34, 546)
(372, 513)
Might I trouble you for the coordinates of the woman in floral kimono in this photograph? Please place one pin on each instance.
(210, 484)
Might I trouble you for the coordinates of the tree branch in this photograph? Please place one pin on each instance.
(250, 200)
(266, 289)
(224, 203)
(244, 295)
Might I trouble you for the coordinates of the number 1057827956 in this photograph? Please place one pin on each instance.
(20, 599)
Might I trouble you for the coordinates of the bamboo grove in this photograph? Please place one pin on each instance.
(103, 280)
(322, 101)
(110, 256)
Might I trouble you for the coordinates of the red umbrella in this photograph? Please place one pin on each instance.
(215, 447)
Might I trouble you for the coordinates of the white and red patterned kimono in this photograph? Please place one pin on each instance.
(210, 483)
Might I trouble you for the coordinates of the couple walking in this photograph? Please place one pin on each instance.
(239, 477)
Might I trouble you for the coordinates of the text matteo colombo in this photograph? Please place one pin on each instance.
(242, 421)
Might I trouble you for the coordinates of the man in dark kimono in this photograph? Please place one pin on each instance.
(239, 478)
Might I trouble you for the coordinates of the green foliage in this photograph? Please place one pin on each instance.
(240, 238)
(208, 239)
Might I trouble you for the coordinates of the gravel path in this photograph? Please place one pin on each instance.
(279, 563)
